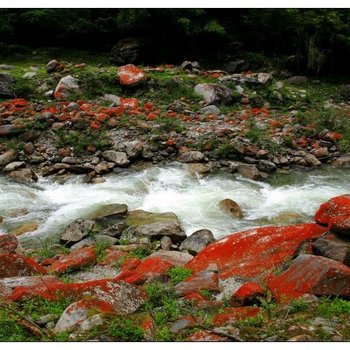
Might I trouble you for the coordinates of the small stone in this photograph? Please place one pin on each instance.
(166, 243)
(231, 207)
(51, 66)
(312, 160)
(197, 241)
(119, 158)
(191, 157)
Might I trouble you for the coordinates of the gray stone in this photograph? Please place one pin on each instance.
(266, 166)
(119, 158)
(298, 80)
(134, 148)
(166, 243)
(66, 86)
(8, 157)
(342, 162)
(174, 257)
(14, 166)
(211, 109)
(199, 170)
(6, 89)
(250, 171)
(24, 175)
(331, 249)
(77, 230)
(197, 241)
(191, 157)
(214, 93)
(51, 66)
(116, 100)
(190, 65)
(11, 130)
(7, 66)
(86, 242)
(29, 75)
(105, 239)
(312, 160)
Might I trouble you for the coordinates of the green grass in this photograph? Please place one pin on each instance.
(123, 328)
(329, 307)
(178, 273)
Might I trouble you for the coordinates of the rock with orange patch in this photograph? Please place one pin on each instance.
(340, 224)
(310, 274)
(149, 270)
(204, 336)
(112, 257)
(206, 280)
(254, 252)
(17, 265)
(235, 314)
(130, 75)
(78, 312)
(247, 292)
(75, 260)
(8, 243)
(337, 206)
(66, 86)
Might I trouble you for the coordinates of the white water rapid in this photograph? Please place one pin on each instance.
(284, 199)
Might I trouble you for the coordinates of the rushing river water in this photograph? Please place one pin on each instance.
(283, 199)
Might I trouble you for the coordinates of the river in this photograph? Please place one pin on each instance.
(283, 199)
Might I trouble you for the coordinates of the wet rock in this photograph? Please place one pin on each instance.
(191, 157)
(75, 260)
(25, 227)
(231, 207)
(8, 157)
(174, 257)
(24, 175)
(6, 89)
(312, 160)
(254, 252)
(214, 93)
(310, 274)
(211, 109)
(14, 166)
(112, 211)
(342, 162)
(199, 169)
(126, 51)
(197, 241)
(206, 280)
(51, 66)
(119, 158)
(340, 224)
(250, 171)
(66, 86)
(337, 206)
(12, 265)
(130, 75)
(77, 230)
(331, 249)
(8, 243)
(78, 312)
(266, 166)
(166, 243)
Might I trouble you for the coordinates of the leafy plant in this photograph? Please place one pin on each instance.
(178, 273)
(124, 328)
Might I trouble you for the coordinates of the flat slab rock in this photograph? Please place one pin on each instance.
(174, 257)
(310, 274)
(253, 253)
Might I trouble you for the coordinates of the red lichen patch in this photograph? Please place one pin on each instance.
(310, 274)
(194, 297)
(17, 265)
(149, 269)
(205, 280)
(235, 314)
(130, 75)
(130, 103)
(130, 264)
(148, 326)
(8, 243)
(340, 224)
(75, 260)
(332, 136)
(246, 292)
(337, 206)
(206, 336)
(94, 304)
(254, 252)
(112, 257)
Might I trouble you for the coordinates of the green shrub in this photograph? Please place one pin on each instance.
(124, 328)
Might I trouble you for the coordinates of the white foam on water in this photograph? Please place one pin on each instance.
(172, 189)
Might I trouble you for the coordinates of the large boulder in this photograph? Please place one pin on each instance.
(337, 206)
(249, 171)
(206, 280)
(6, 89)
(8, 157)
(342, 162)
(112, 211)
(213, 93)
(26, 175)
(332, 249)
(65, 87)
(191, 157)
(255, 252)
(131, 75)
(340, 224)
(310, 274)
(119, 158)
(197, 241)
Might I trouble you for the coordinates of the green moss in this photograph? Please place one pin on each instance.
(329, 307)
(124, 328)
(178, 273)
